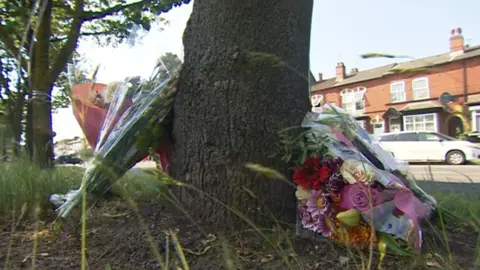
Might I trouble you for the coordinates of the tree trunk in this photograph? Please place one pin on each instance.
(231, 105)
(41, 98)
(16, 122)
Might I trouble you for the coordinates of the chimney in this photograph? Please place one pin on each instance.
(354, 71)
(340, 71)
(456, 40)
(320, 77)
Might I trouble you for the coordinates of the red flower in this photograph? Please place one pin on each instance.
(311, 174)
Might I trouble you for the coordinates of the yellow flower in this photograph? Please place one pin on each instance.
(302, 193)
(354, 171)
(356, 236)
(320, 202)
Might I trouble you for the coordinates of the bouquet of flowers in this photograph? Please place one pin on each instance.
(349, 189)
(136, 118)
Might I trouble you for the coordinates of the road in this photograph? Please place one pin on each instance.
(463, 179)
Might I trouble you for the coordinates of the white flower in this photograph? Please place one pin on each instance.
(303, 194)
(354, 171)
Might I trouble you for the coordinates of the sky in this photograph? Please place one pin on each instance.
(341, 31)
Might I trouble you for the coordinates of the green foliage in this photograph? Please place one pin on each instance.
(295, 146)
(171, 62)
(61, 98)
(110, 22)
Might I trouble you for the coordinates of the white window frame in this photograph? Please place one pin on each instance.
(427, 89)
(355, 93)
(404, 92)
(475, 112)
(435, 121)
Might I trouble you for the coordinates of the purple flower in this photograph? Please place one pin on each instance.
(333, 163)
(318, 204)
(335, 183)
(313, 213)
(358, 196)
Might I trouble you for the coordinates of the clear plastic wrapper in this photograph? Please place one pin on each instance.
(347, 184)
(123, 122)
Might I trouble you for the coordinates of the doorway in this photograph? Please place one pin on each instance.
(395, 124)
(455, 126)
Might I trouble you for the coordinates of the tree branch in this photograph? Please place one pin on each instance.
(82, 34)
(94, 15)
(69, 47)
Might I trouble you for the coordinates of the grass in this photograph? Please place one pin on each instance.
(26, 187)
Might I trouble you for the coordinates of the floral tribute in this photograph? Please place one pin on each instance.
(351, 191)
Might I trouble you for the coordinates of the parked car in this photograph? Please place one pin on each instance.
(428, 146)
(69, 159)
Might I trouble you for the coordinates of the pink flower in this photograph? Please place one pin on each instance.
(314, 222)
(314, 213)
(318, 204)
(358, 196)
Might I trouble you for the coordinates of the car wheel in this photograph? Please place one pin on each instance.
(455, 157)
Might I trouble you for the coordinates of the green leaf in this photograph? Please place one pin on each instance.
(302, 157)
(389, 242)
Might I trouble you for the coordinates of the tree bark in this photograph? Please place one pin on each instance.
(229, 106)
(41, 103)
(17, 121)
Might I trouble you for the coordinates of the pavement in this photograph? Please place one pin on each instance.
(446, 173)
(458, 179)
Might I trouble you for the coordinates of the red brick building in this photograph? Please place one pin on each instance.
(413, 95)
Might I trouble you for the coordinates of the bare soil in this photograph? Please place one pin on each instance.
(116, 239)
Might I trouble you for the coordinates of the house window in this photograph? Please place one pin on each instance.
(420, 88)
(397, 92)
(475, 118)
(420, 122)
(353, 100)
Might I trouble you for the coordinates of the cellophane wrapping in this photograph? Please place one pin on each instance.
(136, 116)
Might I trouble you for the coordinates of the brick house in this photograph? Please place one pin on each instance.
(419, 95)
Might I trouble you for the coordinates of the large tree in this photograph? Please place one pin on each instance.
(233, 97)
(43, 46)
